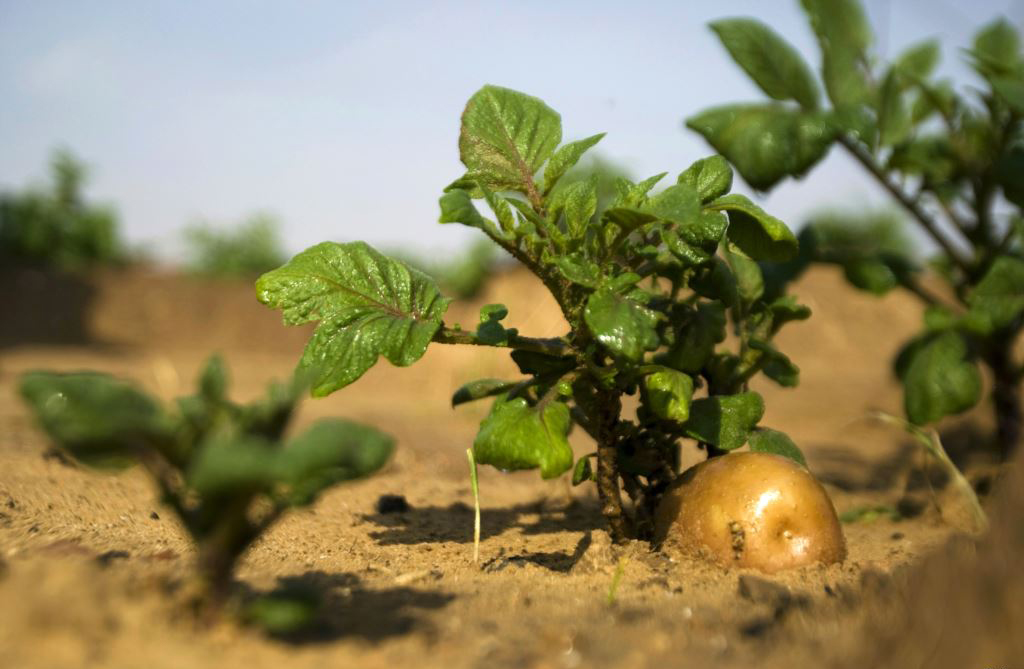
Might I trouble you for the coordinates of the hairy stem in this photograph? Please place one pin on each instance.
(219, 550)
(602, 407)
(553, 346)
(1007, 401)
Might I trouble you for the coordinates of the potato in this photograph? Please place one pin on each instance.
(753, 510)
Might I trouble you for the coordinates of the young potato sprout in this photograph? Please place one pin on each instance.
(951, 160)
(223, 468)
(649, 283)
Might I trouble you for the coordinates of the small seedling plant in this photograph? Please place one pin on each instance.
(649, 285)
(225, 469)
(953, 161)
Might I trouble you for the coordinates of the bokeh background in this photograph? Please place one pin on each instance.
(340, 119)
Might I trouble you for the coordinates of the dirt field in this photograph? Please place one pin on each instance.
(90, 563)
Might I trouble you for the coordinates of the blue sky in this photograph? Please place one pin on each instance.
(341, 118)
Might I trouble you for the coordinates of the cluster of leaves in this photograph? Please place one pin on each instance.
(953, 161)
(650, 283)
(54, 226)
(247, 250)
(223, 467)
(464, 276)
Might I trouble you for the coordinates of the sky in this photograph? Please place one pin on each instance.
(341, 118)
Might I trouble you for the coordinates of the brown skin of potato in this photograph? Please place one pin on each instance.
(752, 510)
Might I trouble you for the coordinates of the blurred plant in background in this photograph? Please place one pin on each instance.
(952, 161)
(872, 248)
(248, 249)
(54, 226)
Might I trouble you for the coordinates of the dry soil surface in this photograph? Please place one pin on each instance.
(90, 563)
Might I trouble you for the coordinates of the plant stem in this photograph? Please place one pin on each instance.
(474, 484)
(922, 217)
(553, 346)
(604, 406)
(1006, 397)
(926, 296)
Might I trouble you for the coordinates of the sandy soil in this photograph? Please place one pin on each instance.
(90, 563)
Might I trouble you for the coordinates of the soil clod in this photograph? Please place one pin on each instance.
(393, 504)
(107, 558)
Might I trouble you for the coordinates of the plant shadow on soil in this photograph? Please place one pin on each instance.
(454, 523)
(345, 608)
(967, 444)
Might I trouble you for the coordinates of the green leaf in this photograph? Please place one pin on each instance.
(937, 317)
(368, 305)
(481, 388)
(99, 420)
(997, 47)
(282, 614)
(711, 177)
(684, 251)
(578, 201)
(565, 158)
(749, 280)
(467, 184)
(490, 330)
(213, 381)
(778, 367)
(696, 336)
(1011, 90)
(757, 233)
(269, 417)
(517, 436)
(786, 309)
(764, 440)
(869, 514)
(717, 282)
(771, 61)
(938, 377)
(492, 333)
(668, 393)
(623, 326)
(493, 312)
(894, 122)
(701, 236)
(679, 204)
(766, 142)
(870, 274)
(457, 207)
(331, 451)
(999, 296)
(539, 364)
(844, 36)
(622, 283)
(1009, 171)
(630, 194)
(919, 61)
(579, 269)
(724, 420)
(582, 471)
(502, 210)
(506, 136)
(234, 465)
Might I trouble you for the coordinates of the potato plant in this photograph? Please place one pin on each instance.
(649, 285)
(223, 468)
(953, 161)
